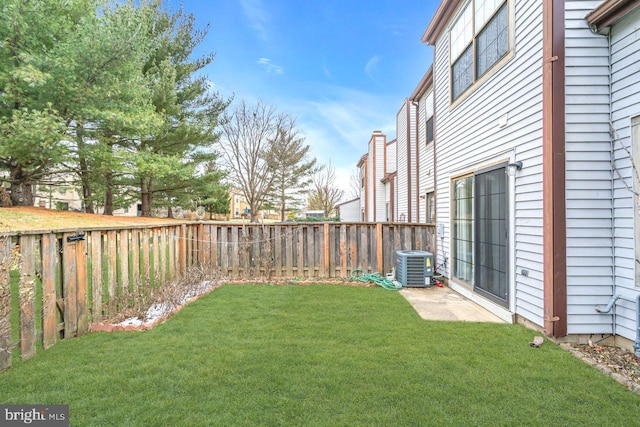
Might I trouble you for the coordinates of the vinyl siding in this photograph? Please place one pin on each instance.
(468, 138)
(391, 168)
(375, 189)
(391, 157)
(425, 154)
(371, 182)
(402, 150)
(588, 173)
(380, 142)
(625, 85)
(413, 171)
(350, 211)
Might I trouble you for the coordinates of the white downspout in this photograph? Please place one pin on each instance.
(610, 306)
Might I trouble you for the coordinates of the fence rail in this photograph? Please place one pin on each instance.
(53, 284)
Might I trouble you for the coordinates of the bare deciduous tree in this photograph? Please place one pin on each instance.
(325, 195)
(355, 184)
(247, 136)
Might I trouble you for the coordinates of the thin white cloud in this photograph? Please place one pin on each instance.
(370, 66)
(339, 126)
(326, 72)
(269, 66)
(257, 15)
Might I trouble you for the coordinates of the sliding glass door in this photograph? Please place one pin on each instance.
(480, 226)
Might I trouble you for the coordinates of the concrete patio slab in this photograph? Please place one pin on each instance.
(436, 303)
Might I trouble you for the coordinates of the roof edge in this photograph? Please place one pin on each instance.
(425, 83)
(610, 12)
(439, 21)
(362, 159)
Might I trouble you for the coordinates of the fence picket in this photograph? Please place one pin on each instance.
(300, 255)
(27, 298)
(123, 243)
(112, 279)
(70, 286)
(277, 258)
(6, 246)
(136, 274)
(343, 250)
(289, 250)
(82, 295)
(49, 315)
(353, 248)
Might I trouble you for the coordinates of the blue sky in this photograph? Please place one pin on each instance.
(341, 67)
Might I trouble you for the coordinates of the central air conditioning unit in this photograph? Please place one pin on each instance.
(414, 268)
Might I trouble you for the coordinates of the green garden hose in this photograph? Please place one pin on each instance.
(376, 278)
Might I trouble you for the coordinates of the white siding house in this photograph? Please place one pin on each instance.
(373, 166)
(349, 211)
(537, 135)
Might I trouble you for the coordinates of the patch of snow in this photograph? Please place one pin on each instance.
(158, 311)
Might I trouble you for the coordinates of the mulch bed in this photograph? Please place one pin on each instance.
(620, 364)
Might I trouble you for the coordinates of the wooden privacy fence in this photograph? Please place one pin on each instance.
(54, 284)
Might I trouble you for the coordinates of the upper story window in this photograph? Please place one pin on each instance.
(430, 129)
(478, 39)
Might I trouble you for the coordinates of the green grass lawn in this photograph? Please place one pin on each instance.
(317, 355)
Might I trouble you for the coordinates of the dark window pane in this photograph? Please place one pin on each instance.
(493, 42)
(430, 130)
(462, 73)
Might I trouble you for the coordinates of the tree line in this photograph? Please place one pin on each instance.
(110, 93)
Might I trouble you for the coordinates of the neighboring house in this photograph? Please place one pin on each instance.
(377, 175)
(535, 221)
(58, 193)
(390, 181)
(61, 192)
(238, 205)
(349, 211)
